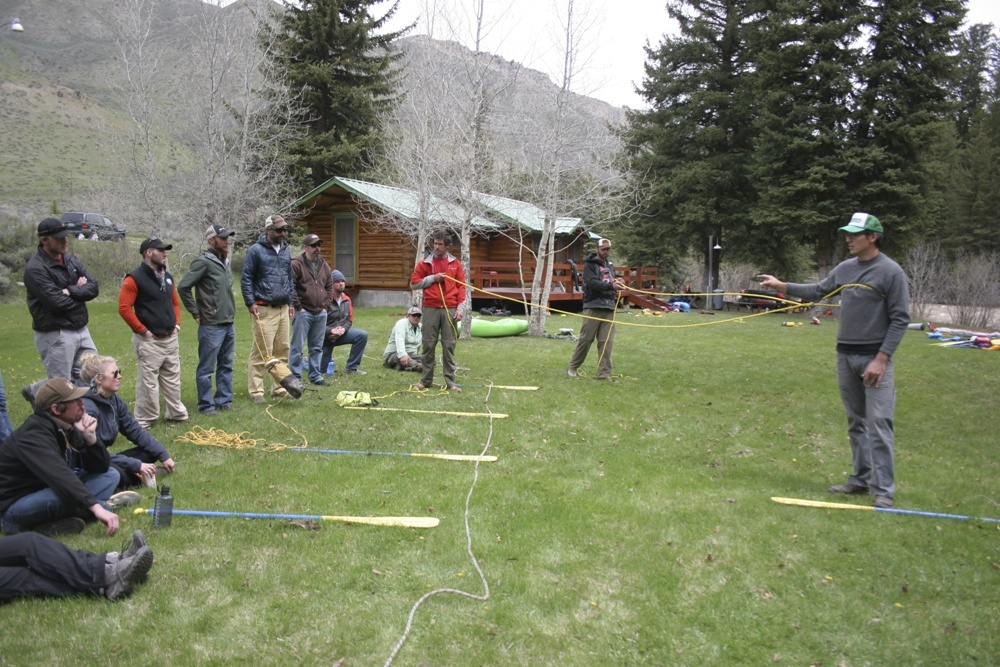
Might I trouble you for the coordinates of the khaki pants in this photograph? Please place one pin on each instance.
(158, 368)
(270, 339)
(604, 332)
(438, 322)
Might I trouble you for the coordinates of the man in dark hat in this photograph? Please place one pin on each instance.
(149, 304)
(313, 294)
(268, 290)
(53, 471)
(874, 312)
(59, 287)
(214, 309)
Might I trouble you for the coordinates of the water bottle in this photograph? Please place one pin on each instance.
(163, 508)
(331, 368)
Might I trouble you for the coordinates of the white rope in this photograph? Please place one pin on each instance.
(468, 547)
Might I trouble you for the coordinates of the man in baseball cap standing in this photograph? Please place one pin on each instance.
(149, 304)
(874, 312)
(59, 287)
(213, 307)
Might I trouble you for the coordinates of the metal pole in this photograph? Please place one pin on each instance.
(708, 283)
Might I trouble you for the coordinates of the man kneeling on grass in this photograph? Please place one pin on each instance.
(53, 471)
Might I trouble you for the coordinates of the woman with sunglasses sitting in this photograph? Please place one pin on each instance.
(138, 464)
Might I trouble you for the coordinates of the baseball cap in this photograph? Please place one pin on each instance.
(54, 228)
(155, 243)
(57, 390)
(862, 222)
(414, 310)
(275, 222)
(604, 243)
(217, 230)
(312, 239)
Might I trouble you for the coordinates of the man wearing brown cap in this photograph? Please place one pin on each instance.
(59, 287)
(53, 471)
(313, 294)
(214, 309)
(149, 304)
(268, 290)
(600, 299)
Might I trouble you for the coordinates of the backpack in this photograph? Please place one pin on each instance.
(355, 399)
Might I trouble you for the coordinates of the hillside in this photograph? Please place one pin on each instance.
(60, 108)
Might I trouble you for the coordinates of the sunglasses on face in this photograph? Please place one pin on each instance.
(116, 373)
(315, 245)
(417, 315)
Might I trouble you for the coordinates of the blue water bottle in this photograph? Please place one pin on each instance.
(331, 368)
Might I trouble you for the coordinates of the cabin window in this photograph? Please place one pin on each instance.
(345, 245)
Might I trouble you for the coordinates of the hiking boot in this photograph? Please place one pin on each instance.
(571, 372)
(454, 388)
(69, 526)
(259, 400)
(123, 499)
(883, 502)
(27, 395)
(121, 573)
(321, 383)
(356, 371)
(133, 544)
(131, 548)
(848, 488)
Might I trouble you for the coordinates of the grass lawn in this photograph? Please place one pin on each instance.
(624, 523)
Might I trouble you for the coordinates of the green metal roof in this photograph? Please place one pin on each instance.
(401, 202)
(526, 215)
(405, 203)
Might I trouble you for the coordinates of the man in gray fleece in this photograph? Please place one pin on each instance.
(875, 309)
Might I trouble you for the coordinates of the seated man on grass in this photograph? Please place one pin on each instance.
(33, 565)
(403, 351)
(339, 328)
(53, 471)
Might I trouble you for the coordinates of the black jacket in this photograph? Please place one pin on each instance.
(45, 279)
(598, 283)
(39, 454)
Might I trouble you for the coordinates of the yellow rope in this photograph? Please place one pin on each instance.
(740, 319)
(214, 437)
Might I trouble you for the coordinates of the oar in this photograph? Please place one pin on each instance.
(495, 415)
(443, 457)
(400, 521)
(888, 510)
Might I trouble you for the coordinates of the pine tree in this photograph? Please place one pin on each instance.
(692, 145)
(333, 52)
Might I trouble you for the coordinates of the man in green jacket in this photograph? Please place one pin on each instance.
(214, 309)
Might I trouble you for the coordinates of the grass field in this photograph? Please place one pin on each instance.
(624, 523)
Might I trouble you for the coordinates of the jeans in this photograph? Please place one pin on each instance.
(308, 329)
(6, 428)
(45, 505)
(357, 339)
(216, 352)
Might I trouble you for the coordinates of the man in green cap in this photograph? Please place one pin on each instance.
(875, 302)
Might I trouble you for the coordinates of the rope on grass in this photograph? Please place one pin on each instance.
(468, 547)
(216, 437)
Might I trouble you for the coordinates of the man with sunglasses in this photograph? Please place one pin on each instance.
(149, 304)
(53, 471)
(58, 286)
(874, 312)
(268, 291)
(403, 351)
(313, 294)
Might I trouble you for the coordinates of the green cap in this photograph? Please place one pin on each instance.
(862, 222)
